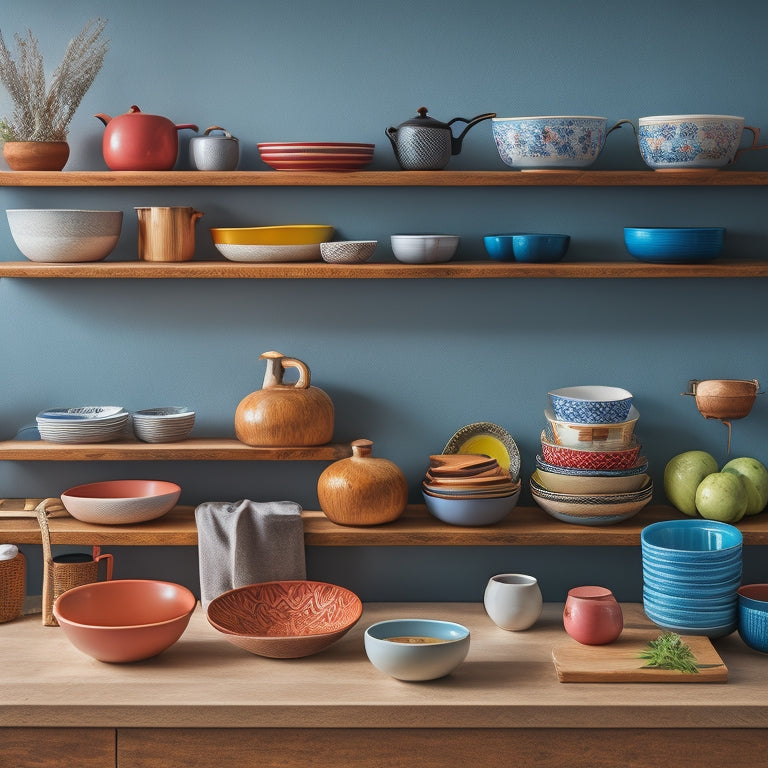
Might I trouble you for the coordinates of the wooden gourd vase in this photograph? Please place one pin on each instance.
(362, 490)
(285, 415)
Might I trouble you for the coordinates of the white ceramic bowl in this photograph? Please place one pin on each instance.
(115, 502)
(416, 660)
(347, 251)
(606, 437)
(424, 249)
(64, 235)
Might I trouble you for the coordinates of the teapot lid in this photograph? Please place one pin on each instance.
(422, 120)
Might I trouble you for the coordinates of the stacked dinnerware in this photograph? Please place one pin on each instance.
(590, 471)
(86, 424)
(469, 489)
(316, 155)
(691, 574)
(163, 425)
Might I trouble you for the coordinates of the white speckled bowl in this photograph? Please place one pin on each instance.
(63, 236)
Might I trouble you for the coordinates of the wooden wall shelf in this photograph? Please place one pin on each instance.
(526, 526)
(185, 450)
(383, 178)
(379, 271)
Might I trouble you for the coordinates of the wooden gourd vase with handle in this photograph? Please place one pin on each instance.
(286, 415)
(362, 490)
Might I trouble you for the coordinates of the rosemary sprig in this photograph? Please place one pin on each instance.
(668, 651)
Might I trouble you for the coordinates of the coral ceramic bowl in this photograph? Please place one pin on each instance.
(416, 649)
(550, 142)
(690, 142)
(116, 502)
(62, 236)
(591, 404)
(470, 510)
(674, 245)
(528, 247)
(563, 456)
(424, 249)
(125, 619)
(753, 616)
(347, 251)
(285, 619)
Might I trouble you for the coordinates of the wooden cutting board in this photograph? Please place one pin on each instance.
(618, 662)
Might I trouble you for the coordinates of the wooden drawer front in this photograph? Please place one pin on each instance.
(57, 747)
(437, 748)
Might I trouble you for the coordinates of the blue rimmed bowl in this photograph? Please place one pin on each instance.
(591, 404)
(674, 245)
(691, 541)
(753, 616)
(416, 649)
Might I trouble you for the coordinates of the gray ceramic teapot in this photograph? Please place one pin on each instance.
(426, 144)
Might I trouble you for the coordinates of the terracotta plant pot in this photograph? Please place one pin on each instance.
(36, 155)
(285, 414)
(362, 490)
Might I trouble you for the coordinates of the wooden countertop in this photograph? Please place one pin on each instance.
(507, 681)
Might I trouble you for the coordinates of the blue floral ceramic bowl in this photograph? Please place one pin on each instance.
(674, 245)
(694, 142)
(591, 404)
(552, 142)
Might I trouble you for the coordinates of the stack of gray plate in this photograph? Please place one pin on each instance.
(163, 425)
(85, 424)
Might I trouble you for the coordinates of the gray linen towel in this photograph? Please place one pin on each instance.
(245, 542)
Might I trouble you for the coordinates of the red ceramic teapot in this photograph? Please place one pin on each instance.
(137, 141)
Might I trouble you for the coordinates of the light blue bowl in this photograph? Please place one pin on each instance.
(706, 628)
(416, 661)
(591, 404)
(753, 616)
(691, 599)
(716, 592)
(695, 573)
(686, 541)
(471, 512)
(674, 245)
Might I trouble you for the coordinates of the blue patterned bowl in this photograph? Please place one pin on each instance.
(753, 616)
(674, 245)
(591, 404)
(550, 142)
(690, 141)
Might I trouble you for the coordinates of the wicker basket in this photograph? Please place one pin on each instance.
(60, 576)
(13, 587)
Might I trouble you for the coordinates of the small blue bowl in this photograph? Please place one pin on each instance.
(686, 541)
(527, 247)
(753, 616)
(471, 512)
(674, 245)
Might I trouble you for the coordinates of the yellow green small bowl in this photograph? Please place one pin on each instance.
(288, 234)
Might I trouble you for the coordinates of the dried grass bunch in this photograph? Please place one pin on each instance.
(43, 113)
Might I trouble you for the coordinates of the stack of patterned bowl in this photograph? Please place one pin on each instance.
(469, 489)
(86, 424)
(691, 574)
(590, 471)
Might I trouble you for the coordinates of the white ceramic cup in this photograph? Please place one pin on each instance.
(513, 601)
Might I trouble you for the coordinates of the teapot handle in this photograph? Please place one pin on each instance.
(304, 376)
(470, 122)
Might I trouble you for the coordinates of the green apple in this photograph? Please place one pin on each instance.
(722, 496)
(682, 476)
(755, 476)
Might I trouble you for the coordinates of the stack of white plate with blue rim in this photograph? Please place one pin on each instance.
(84, 424)
(691, 574)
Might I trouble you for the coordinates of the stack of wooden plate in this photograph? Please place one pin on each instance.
(467, 476)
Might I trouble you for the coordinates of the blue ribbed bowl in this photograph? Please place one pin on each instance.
(753, 616)
(691, 541)
(674, 245)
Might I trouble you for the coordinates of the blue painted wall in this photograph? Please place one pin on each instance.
(406, 362)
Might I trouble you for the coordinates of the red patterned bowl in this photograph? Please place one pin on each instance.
(285, 619)
(563, 456)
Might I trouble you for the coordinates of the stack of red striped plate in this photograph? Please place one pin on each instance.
(316, 155)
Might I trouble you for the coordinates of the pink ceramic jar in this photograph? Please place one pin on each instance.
(592, 616)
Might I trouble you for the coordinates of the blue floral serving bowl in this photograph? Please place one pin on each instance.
(553, 142)
(693, 142)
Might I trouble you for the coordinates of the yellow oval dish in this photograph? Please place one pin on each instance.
(287, 234)
(486, 438)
